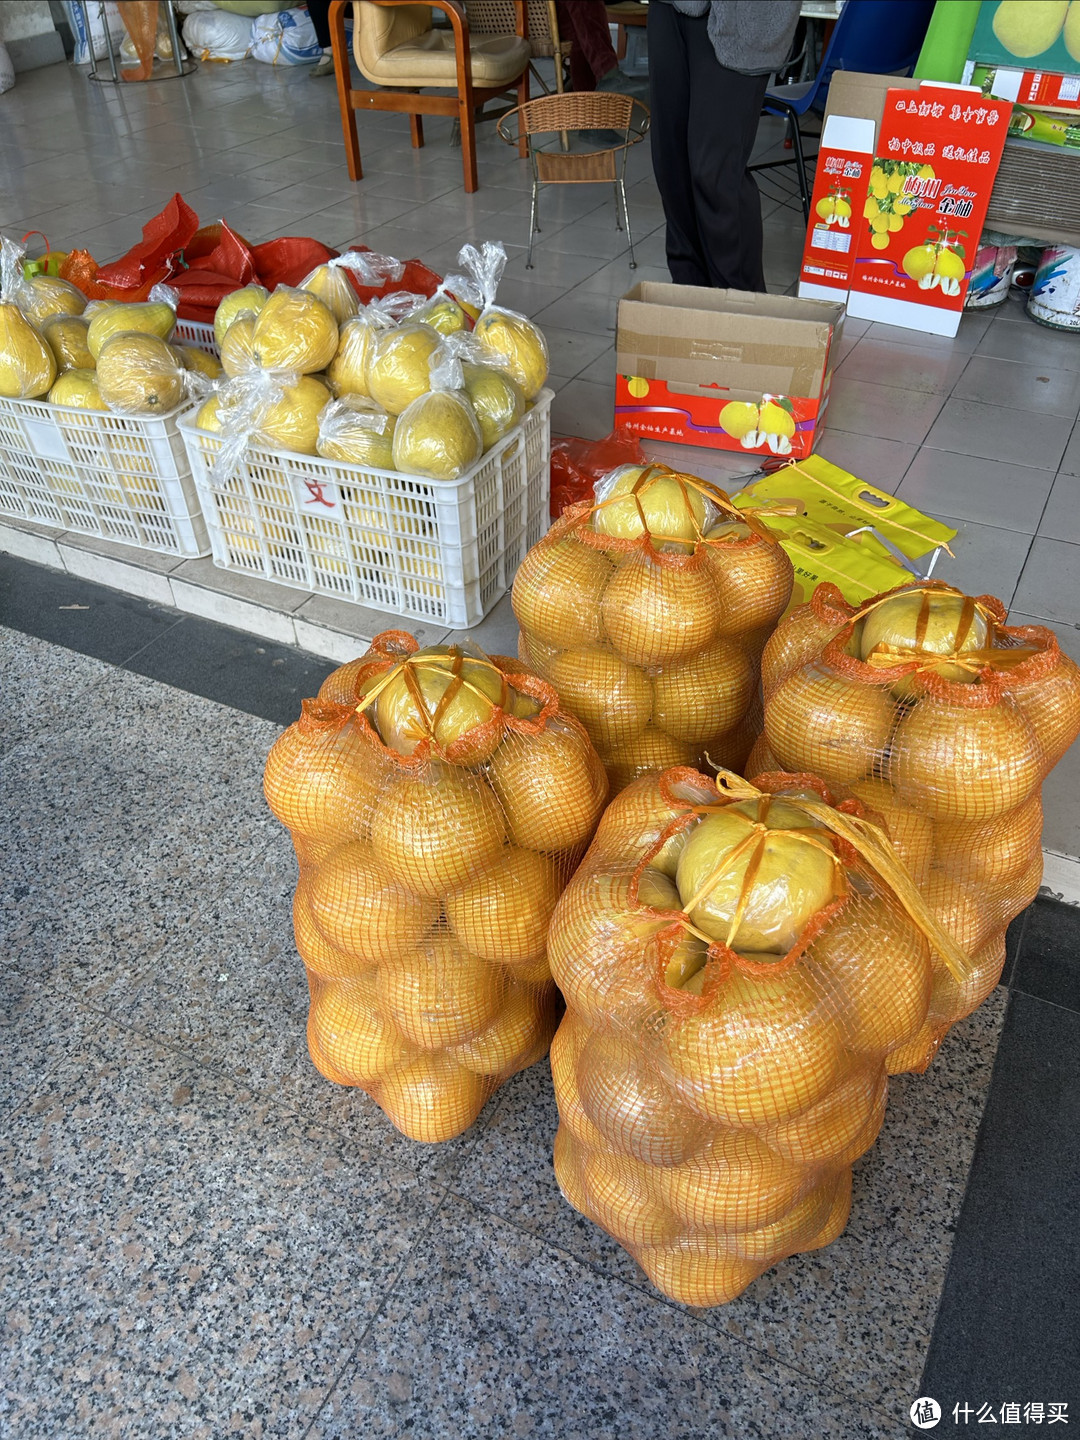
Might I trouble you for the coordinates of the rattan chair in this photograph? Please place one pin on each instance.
(578, 110)
(496, 17)
(398, 50)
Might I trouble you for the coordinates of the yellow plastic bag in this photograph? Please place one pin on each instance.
(859, 566)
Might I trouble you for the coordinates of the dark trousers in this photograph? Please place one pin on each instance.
(704, 123)
(319, 10)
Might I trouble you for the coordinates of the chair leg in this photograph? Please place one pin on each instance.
(467, 118)
(626, 218)
(342, 74)
(533, 227)
(800, 164)
(523, 99)
(564, 135)
(416, 129)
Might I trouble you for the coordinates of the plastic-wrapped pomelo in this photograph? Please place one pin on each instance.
(958, 762)
(765, 1049)
(432, 1098)
(294, 331)
(517, 1037)
(557, 594)
(704, 696)
(521, 344)
(359, 433)
(612, 700)
(440, 695)
(292, 421)
(251, 298)
(27, 364)
(550, 786)
(772, 889)
(826, 725)
(911, 834)
(618, 1196)
(633, 1108)
(700, 1280)
(504, 915)
(138, 374)
(237, 346)
(497, 400)
(48, 295)
(879, 967)
(398, 370)
(79, 388)
(152, 317)
(66, 337)
(328, 284)
(208, 416)
(363, 910)
(662, 505)
(926, 623)
(436, 837)
(437, 435)
(839, 1128)
(442, 313)
(439, 995)
(347, 371)
(1051, 705)
(350, 1041)
(652, 749)
(754, 577)
(799, 638)
(199, 362)
(736, 1183)
(320, 957)
(656, 615)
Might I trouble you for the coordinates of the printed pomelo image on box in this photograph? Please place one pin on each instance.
(1045, 31)
(840, 180)
(937, 153)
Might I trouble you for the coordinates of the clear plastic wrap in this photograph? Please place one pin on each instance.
(139, 374)
(354, 429)
(27, 364)
(347, 372)
(438, 435)
(502, 331)
(277, 408)
(66, 338)
(294, 330)
(37, 296)
(446, 310)
(330, 282)
(738, 962)
(398, 370)
(497, 399)
(237, 345)
(648, 611)
(156, 316)
(249, 300)
(944, 723)
(438, 801)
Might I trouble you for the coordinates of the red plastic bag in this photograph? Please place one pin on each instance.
(163, 237)
(289, 259)
(213, 273)
(418, 279)
(577, 464)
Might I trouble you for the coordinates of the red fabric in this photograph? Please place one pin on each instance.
(163, 237)
(576, 465)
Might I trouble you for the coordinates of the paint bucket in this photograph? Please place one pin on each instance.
(991, 276)
(1054, 298)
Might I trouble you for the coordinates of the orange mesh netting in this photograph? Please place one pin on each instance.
(738, 963)
(648, 611)
(438, 801)
(944, 722)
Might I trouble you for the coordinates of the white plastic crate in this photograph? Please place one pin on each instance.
(196, 332)
(121, 477)
(423, 549)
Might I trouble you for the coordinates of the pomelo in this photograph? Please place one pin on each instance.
(432, 1098)
(655, 614)
(439, 995)
(437, 834)
(361, 910)
(557, 593)
(503, 916)
(551, 787)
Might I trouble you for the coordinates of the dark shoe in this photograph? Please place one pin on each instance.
(617, 82)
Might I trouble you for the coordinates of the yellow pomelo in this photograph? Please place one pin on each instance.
(1028, 27)
(152, 317)
(439, 994)
(359, 908)
(251, 298)
(840, 1127)
(350, 1041)
(323, 785)
(635, 820)
(497, 400)
(77, 387)
(951, 1000)
(735, 1184)
(799, 638)
(138, 374)
(294, 331)
(992, 854)
(1051, 705)
(194, 359)
(838, 1214)
(761, 759)
(754, 579)
(700, 1280)
(292, 422)
(962, 911)
(566, 1045)
(27, 365)
(439, 834)
(926, 625)
(653, 750)
(618, 1193)
(360, 443)
(568, 1158)
(827, 725)
(557, 593)
(704, 696)
(413, 706)
(208, 417)
(437, 435)
(517, 1037)
(237, 357)
(433, 1098)
(398, 366)
(47, 296)
(347, 371)
(612, 700)
(551, 787)
(321, 958)
(504, 333)
(765, 1049)
(911, 833)
(783, 889)
(956, 763)
(1072, 32)
(655, 614)
(66, 337)
(792, 1232)
(443, 314)
(664, 507)
(632, 1106)
(331, 285)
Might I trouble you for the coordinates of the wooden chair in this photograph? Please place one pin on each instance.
(493, 17)
(397, 48)
(578, 110)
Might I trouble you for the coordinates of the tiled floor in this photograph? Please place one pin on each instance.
(200, 1237)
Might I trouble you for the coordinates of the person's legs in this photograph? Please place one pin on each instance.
(671, 36)
(585, 24)
(319, 10)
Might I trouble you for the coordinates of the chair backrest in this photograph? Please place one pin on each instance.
(498, 17)
(576, 110)
(878, 37)
(379, 28)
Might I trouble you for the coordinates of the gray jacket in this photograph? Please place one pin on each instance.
(753, 36)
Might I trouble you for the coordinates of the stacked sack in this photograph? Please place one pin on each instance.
(438, 801)
(944, 722)
(648, 612)
(106, 355)
(737, 964)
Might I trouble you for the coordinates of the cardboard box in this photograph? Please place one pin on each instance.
(725, 369)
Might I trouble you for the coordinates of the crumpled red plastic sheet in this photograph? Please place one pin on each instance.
(577, 464)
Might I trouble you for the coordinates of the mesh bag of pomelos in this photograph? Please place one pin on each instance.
(738, 961)
(944, 722)
(438, 801)
(648, 610)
